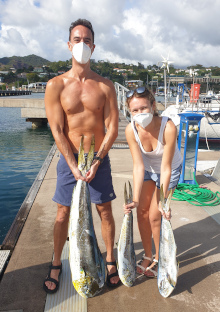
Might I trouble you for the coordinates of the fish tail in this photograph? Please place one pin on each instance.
(128, 197)
(130, 192)
(81, 156)
(90, 154)
(162, 195)
(170, 196)
(125, 195)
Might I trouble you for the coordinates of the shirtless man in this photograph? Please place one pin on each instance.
(80, 102)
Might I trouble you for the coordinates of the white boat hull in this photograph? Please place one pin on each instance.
(210, 128)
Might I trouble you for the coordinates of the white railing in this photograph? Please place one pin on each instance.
(121, 97)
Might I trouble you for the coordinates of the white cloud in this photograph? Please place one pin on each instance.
(125, 31)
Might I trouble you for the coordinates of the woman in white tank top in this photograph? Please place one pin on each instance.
(156, 161)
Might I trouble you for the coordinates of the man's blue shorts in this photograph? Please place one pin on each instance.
(101, 188)
(175, 175)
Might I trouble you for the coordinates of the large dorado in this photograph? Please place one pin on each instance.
(167, 264)
(86, 262)
(126, 253)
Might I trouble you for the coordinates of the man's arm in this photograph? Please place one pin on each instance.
(55, 116)
(170, 137)
(111, 116)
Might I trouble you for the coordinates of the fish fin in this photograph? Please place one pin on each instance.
(125, 195)
(90, 154)
(81, 157)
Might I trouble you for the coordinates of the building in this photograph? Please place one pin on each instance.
(38, 70)
(133, 83)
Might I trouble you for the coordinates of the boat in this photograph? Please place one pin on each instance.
(208, 106)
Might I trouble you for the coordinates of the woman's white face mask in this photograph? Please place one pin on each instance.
(143, 119)
(81, 52)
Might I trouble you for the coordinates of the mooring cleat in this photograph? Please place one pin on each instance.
(128, 198)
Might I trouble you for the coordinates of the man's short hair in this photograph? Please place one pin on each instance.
(82, 22)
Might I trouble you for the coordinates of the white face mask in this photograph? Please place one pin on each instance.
(81, 52)
(143, 119)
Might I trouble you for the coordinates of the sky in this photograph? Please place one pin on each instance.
(126, 31)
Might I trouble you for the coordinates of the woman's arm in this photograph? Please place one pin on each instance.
(170, 137)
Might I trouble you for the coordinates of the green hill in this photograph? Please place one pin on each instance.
(23, 61)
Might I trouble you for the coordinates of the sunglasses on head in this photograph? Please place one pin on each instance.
(138, 90)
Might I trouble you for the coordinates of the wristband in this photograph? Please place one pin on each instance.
(99, 158)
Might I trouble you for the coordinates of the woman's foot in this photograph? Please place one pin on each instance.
(143, 264)
(151, 271)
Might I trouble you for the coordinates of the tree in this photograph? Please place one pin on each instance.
(140, 66)
(33, 77)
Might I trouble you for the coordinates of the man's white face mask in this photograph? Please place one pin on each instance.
(81, 52)
(143, 119)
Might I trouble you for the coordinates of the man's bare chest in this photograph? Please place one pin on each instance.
(76, 101)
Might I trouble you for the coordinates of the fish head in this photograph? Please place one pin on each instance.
(166, 286)
(87, 286)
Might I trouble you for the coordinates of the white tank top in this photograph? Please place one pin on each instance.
(152, 160)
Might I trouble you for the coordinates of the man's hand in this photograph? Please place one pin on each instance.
(92, 171)
(77, 174)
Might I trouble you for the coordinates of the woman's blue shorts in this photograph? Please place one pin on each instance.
(175, 175)
(101, 188)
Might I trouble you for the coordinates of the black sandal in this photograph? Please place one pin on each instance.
(108, 282)
(50, 279)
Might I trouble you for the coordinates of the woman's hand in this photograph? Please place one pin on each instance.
(166, 215)
(128, 207)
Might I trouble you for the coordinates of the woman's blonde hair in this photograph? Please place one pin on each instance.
(147, 94)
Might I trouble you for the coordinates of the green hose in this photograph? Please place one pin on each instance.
(196, 195)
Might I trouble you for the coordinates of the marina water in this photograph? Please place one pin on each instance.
(22, 153)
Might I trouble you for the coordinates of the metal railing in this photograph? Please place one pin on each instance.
(121, 98)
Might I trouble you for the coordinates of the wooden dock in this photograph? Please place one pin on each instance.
(14, 92)
(121, 141)
(196, 232)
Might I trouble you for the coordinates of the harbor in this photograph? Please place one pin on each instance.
(28, 247)
(27, 250)
(196, 231)
(163, 64)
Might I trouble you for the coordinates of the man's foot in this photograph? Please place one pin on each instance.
(151, 271)
(143, 264)
(113, 279)
(51, 283)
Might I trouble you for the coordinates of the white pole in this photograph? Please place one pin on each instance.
(165, 88)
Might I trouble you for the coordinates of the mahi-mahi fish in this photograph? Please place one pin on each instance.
(86, 261)
(167, 263)
(126, 253)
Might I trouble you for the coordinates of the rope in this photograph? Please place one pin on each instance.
(196, 195)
